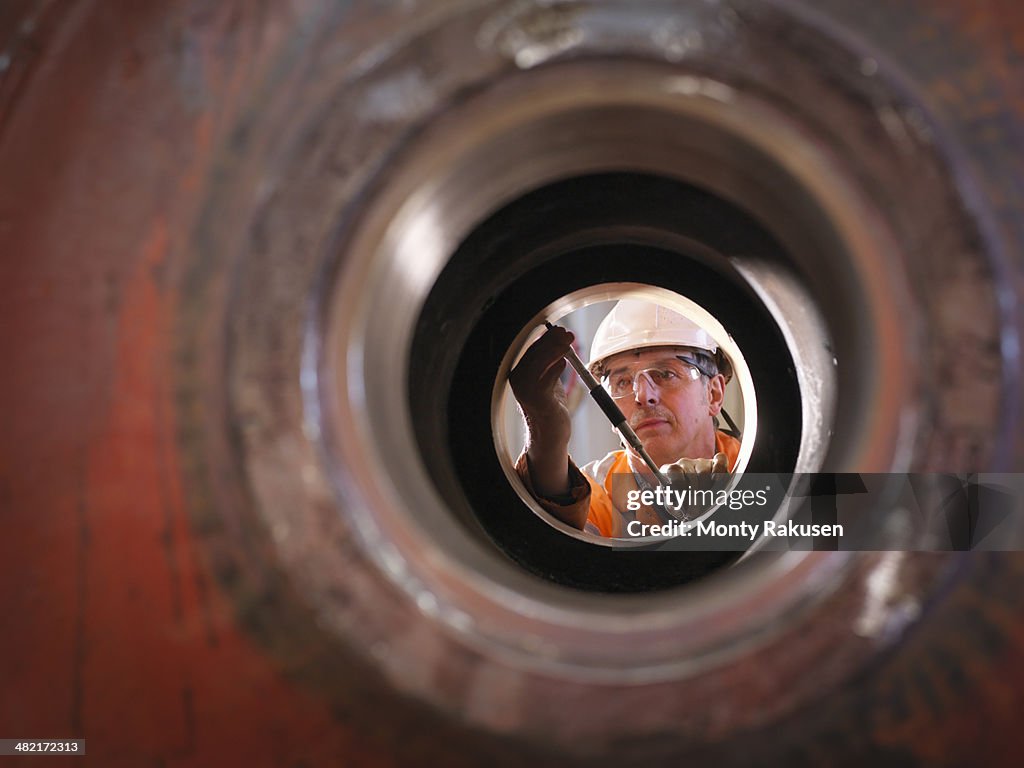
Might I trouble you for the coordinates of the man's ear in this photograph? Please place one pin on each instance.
(716, 394)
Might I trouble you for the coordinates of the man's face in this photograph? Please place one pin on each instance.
(672, 424)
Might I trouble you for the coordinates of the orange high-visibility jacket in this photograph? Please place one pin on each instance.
(591, 489)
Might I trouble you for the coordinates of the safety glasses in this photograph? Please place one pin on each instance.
(665, 376)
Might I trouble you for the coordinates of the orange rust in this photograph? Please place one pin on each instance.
(116, 628)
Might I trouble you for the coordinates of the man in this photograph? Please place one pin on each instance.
(668, 377)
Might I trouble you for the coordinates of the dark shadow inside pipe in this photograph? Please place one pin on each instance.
(555, 240)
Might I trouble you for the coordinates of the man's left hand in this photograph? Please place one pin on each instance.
(678, 469)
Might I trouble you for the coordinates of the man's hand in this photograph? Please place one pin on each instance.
(536, 385)
(698, 474)
(684, 467)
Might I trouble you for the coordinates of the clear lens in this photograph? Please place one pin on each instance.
(666, 377)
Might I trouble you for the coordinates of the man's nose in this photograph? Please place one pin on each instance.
(644, 390)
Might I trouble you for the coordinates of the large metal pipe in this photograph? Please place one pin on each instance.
(230, 536)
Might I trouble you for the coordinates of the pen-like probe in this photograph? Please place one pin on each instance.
(611, 410)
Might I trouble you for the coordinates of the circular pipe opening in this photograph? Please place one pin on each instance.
(816, 233)
(509, 439)
(568, 240)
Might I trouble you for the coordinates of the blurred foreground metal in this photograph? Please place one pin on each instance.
(190, 579)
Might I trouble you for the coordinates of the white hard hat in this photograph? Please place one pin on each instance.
(636, 324)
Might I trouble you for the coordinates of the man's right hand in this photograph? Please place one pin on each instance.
(536, 385)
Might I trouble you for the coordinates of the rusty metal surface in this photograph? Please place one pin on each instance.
(120, 632)
(123, 625)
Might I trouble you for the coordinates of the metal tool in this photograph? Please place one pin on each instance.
(612, 411)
